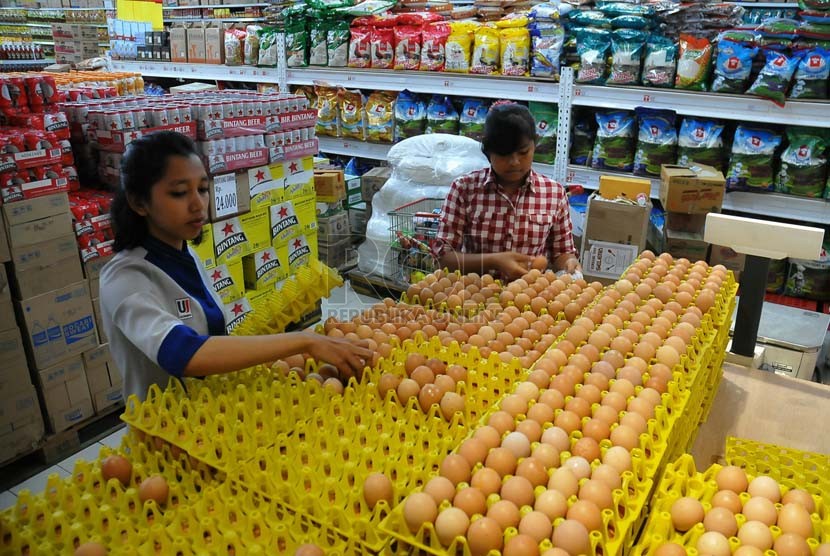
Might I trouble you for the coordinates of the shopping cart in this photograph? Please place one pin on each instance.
(412, 237)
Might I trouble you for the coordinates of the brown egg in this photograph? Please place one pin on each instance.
(571, 536)
(91, 549)
(518, 490)
(732, 478)
(489, 436)
(596, 429)
(521, 545)
(625, 437)
(451, 523)
(117, 467)
(429, 395)
(790, 544)
(531, 429)
(471, 501)
(760, 509)
(565, 481)
(579, 406)
(597, 492)
(713, 544)
(456, 468)
(727, 499)
(686, 512)
(747, 550)
(799, 496)
(587, 513)
(377, 487)
(533, 470)
(484, 535)
(451, 403)
(486, 480)
(642, 406)
(505, 513)
(557, 438)
(567, 421)
(502, 461)
(154, 488)
(580, 466)
(721, 520)
(552, 398)
(546, 454)
(606, 474)
(636, 421)
(607, 415)
(755, 534)
(766, 487)
(536, 525)
(614, 400)
(517, 443)
(473, 450)
(670, 549)
(440, 489)
(309, 550)
(587, 448)
(419, 508)
(619, 458)
(541, 413)
(502, 421)
(823, 550)
(793, 518)
(408, 389)
(551, 503)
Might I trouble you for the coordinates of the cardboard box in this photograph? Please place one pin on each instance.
(28, 210)
(292, 218)
(37, 231)
(337, 255)
(334, 228)
(58, 324)
(229, 240)
(612, 187)
(358, 218)
(266, 185)
(7, 319)
(5, 286)
(228, 280)
(99, 326)
(694, 189)
(263, 269)
(5, 252)
(196, 45)
(108, 397)
(720, 254)
(11, 346)
(230, 195)
(44, 253)
(235, 313)
(299, 178)
(205, 248)
(689, 223)
(94, 266)
(33, 281)
(300, 251)
(178, 44)
(19, 405)
(372, 181)
(329, 185)
(615, 233)
(256, 225)
(12, 375)
(102, 377)
(214, 45)
(65, 393)
(686, 245)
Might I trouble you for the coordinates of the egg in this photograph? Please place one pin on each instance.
(377, 487)
(790, 544)
(451, 403)
(488, 435)
(557, 438)
(799, 496)
(587, 513)
(619, 458)
(536, 525)
(533, 470)
(117, 467)
(755, 534)
(418, 509)
(505, 513)
(686, 512)
(456, 468)
(747, 550)
(793, 518)
(823, 550)
(606, 474)
(471, 501)
(766, 487)
(572, 537)
(407, 389)
(518, 490)
(564, 480)
(597, 492)
(451, 523)
(502, 461)
(580, 466)
(91, 549)
(727, 499)
(502, 421)
(721, 520)
(713, 544)
(484, 535)
(586, 448)
(670, 549)
(309, 550)
(429, 395)
(634, 420)
(517, 443)
(760, 509)
(521, 545)
(154, 488)
(625, 437)
(440, 489)
(552, 503)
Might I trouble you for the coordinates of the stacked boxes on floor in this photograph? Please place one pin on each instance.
(75, 43)
(334, 230)
(370, 184)
(687, 195)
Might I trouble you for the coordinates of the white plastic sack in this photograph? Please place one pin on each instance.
(422, 167)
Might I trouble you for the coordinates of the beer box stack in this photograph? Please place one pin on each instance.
(334, 236)
(74, 43)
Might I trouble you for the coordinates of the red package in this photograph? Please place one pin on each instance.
(83, 209)
(51, 172)
(419, 18)
(104, 202)
(13, 179)
(36, 140)
(13, 143)
(434, 38)
(67, 157)
(360, 47)
(34, 95)
(383, 47)
(89, 238)
(363, 21)
(407, 47)
(72, 179)
(385, 20)
(57, 123)
(13, 95)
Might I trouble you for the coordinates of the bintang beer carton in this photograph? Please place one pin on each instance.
(229, 240)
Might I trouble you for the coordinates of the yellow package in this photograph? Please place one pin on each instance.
(352, 114)
(459, 46)
(512, 20)
(485, 58)
(380, 116)
(328, 111)
(515, 51)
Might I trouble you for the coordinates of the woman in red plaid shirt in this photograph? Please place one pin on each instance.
(498, 219)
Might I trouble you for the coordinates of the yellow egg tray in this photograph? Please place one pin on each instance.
(619, 524)
(790, 467)
(680, 479)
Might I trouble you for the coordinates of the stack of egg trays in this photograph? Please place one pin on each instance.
(680, 479)
(790, 467)
(318, 470)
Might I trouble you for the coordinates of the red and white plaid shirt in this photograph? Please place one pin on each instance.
(479, 216)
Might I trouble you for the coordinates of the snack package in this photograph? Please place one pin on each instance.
(234, 47)
(267, 47)
(252, 44)
(41, 91)
(774, 80)
(656, 141)
(809, 279)
(733, 67)
(700, 141)
(380, 117)
(434, 38)
(352, 114)
(407, 47)
(693, 63)
(626, 57)
(296, 46)
(583, 135)
(592, 48)
(328, 111)
(660, 62)
(459, 48)
(514, 43)
(589, 18)
(630, 22)
(485, 59)
(752, 161)
(546, 115)
(441, 116)
(337, 43)
(383, 48)
(318, 54)
(546, 43)
(614, 146)
(803, 163)
(548, 11)
(812, 74)
(515, 20)
(410, 115)
(617, 9)
(360, 47)
(472, 117)
(308, 91)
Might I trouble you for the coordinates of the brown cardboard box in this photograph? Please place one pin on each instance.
(178, 44)
(19, 404)
(44, 253)
(12, 375)
(689, 223)
(611, 187)
(615, 233)
(93, 267)
(196, 44)
(101, 357)
(65, 393)
(720, 254)
(98, 378)
(334, 228)
(36, 231)
(373, 180)
(34, 281)
(687, 245)
(694, 189)
(336, 255)
(329, 185)
(11, 346)
(7, 319)
(230, 195)
(22, 437)
(57, 324)
(214, 44)
(107, 398)
(5, 253)
(5, 287)
(35, 209)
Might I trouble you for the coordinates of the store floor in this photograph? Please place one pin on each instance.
(343, 304)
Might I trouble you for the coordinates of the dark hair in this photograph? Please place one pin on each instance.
(506, 127)
(142, 166)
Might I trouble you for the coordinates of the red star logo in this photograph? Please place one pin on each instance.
(283, 212)
(134, 135)
(266, 256)
(228, 229)
(293, 167)
(237, 309)
(297, 243)
(216, 275)
(260, 176)
(114, 125)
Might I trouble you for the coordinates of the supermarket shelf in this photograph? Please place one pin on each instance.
(36, 24)
(210, 72)
(218, 7)
(44, 41)
(42, 62)
(713, 105)
(220, 19)
(589, 178)
(780, 5)
(788, 207)
(353, 147)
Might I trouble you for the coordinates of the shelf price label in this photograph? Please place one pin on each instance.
(648, 98)
(447, 83)
(577, 92)
(350, 78)
(224, 195)
(532, 89)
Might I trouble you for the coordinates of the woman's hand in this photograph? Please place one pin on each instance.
(349, 357)
(511, 265)
(567, 262)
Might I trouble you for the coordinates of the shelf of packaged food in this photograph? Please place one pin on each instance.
(213, 72)
(42, 62)
(713, 105)
(767, 5)
(216, 7)
(214, 19)
(589, 178)
(353, 147)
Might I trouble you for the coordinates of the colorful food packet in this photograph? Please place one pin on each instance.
(546, 46)
(514, 44)
(614, 146)
(803, 168)
(693, 63)
(407, 47)
(360, 47)
(660, 62)
(433, 51)
(472, 118)
(774, 80)
(753, 158)
(592, 48)
(410, 115)
(656, 141)
(812, 74)
(700, 141)
(485, 58)
(380, 117)
(733, 67)
(626, 57)
(546, 115)
(441, 116)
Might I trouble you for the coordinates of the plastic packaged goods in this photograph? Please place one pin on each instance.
(583, 136)
(546, 115)
(442, 116)
(459, 48)
(700, 141)
(812, 75)
(656, 141)
(514, 44)
(546, 49)
(693, 64)
(328, 111)
(485, 58)
(267, 47)
(434, 43)
(774, 80)
(614, 145)
(296, 44)
(472, 117)
(809, 279)
(383, 48)
(234, 47)
(660, 62)
(733, 67)
(803, 166)
(410, 115)
(360, 47)
(380, 117)
(592, 47)
(407, 47)
(337, 43)
(252, 44)
(352, 114)
(626, 57)
(318, 54)
(751, 166)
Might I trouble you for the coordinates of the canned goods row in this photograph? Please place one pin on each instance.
(232, 145)
(287, 138)
(130, 119)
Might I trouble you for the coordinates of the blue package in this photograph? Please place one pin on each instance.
(733, 67)
(812, 74)
(614, 146)
(546, 43)
(656, 140)
(700, 141)
(751, 167)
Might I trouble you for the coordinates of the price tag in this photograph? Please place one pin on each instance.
(350, 78)
(577, 92)
(532, 89)
(648, 98)
(224, 195)
(570, 176)
(447, 83)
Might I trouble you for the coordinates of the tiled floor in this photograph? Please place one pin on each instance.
(343, 304)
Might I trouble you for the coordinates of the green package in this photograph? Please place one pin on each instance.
(546, 115)
(803, 168)
(751, 164)
(472, 117)
(614, 146)
(656, 141)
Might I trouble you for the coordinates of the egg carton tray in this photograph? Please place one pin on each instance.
(619, 525)
(680, 479)
(790, 467)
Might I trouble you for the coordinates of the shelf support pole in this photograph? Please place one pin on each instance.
(563, 130)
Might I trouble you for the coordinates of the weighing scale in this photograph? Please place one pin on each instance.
(792, 339)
